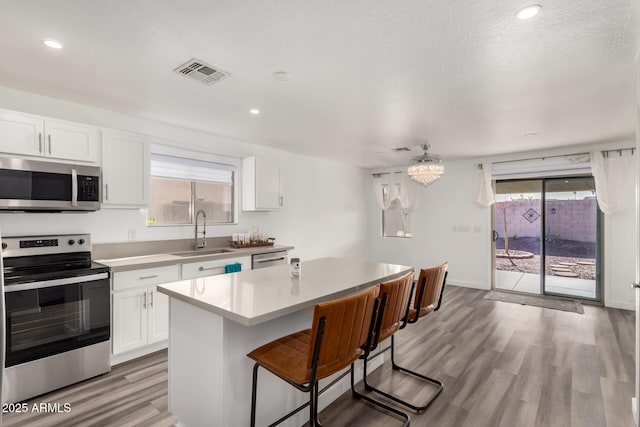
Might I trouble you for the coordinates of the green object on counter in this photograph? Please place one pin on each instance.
(233, 268)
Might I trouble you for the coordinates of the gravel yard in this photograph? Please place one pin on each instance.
(532, 265)
(558, 252)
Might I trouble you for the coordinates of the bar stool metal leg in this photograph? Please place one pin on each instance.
(254, 386)
(384, 406)
(395, 366)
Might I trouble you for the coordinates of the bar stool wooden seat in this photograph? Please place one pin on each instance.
(339, 332)
(399, 311)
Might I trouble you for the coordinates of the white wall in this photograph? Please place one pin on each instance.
(324, 212)
(449, 226)
(443, 208)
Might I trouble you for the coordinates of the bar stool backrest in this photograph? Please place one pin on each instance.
(430, 283)
(346, 327)
(397, 294)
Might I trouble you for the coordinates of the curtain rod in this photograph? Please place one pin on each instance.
(605, 152)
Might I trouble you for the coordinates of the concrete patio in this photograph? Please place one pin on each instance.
(530, 283)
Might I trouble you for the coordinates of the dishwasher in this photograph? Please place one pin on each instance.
(269, 259)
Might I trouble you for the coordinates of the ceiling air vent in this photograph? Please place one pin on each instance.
(202, 72)
(400, 149)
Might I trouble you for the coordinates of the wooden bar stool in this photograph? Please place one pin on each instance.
(340, 330)
(428, 298)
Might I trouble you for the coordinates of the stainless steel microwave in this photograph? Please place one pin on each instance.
(30, 185)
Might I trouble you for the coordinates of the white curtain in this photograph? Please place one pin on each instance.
(409, 190)
(482, 189)
(383, 200)
(399, 186)
(612, 176)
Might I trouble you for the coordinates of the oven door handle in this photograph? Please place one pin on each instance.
(55, 282)
(74, 187)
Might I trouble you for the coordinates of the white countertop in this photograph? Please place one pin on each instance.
(256, 296)
(160, 260)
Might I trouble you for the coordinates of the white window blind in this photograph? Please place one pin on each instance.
(190, 169)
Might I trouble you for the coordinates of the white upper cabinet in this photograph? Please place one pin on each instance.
(66, 140)
(27, 135)
(260, 184)
(125, 169)
(21, 134)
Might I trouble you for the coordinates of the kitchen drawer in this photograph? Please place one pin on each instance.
(212, 267)
(145, 277)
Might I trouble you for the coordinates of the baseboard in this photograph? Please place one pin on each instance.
(624, 305)
(134, 354)
(474, 285)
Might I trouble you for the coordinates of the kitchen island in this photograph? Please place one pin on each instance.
(215, 321)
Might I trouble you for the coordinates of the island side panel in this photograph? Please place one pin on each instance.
(196, 388)
(275, 397)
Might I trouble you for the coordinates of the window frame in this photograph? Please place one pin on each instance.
(158, 147)
(402, 212)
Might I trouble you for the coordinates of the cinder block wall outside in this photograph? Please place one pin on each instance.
(566, 219)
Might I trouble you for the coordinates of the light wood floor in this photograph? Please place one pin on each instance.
(132, 394)
(502, 365)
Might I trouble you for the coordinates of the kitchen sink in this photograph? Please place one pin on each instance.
(199, 252)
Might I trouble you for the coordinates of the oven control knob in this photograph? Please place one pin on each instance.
(71, 242)
(4, 245)
(81, 241)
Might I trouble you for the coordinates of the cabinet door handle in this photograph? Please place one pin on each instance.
(151, 303)
(281, 200)
(49, 143)
(144, 303)
(210, 268)
(106, 191)
(148, 277)
(635, 285)
(39, 142)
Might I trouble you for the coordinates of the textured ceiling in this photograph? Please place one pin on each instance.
(367, 75)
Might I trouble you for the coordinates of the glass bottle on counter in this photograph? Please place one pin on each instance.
(295, 267)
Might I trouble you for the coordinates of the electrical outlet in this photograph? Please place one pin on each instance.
(132, 234)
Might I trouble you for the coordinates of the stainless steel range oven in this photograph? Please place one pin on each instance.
(57, 314)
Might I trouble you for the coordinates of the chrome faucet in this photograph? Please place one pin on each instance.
(203, 242)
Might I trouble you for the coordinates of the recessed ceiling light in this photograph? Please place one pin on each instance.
(528, 12)
(531, 134)
(254, 111)
(282, 76)
(53, 44)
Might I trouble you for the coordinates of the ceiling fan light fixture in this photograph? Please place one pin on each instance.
(429, 168)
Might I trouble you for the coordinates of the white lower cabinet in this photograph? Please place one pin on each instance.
(140, 318)
(129, 320)
(140, 312)
(214, 267)
(158, 317)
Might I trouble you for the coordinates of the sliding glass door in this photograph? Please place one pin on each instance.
(518, 229)
(547, 235)
(571, 237)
